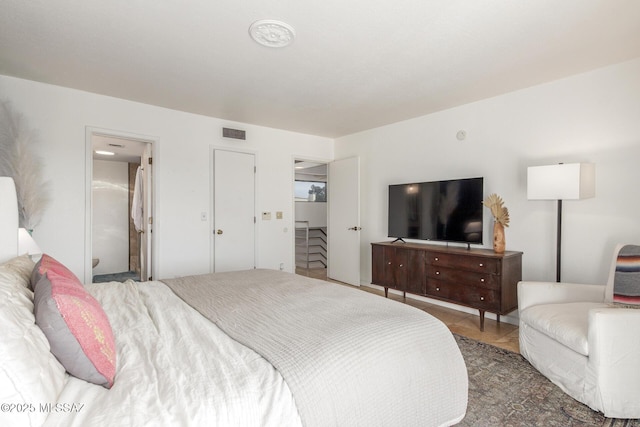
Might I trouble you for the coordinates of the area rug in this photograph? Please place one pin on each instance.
(506, 391)
(117, 277)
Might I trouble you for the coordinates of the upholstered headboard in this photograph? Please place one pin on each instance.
(8, 219)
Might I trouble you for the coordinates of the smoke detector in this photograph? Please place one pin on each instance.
(271, 33)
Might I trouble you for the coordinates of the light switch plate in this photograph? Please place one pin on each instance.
(266, 216)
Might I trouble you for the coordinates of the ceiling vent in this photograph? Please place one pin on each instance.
(234, 133)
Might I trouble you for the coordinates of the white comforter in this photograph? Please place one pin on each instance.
(349, 357)
(174, 368)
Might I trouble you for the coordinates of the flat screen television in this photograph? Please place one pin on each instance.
(448, 211)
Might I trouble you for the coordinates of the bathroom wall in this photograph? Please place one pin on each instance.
(110, 188)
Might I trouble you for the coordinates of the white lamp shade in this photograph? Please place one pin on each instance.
(571, 181)
(26, 244)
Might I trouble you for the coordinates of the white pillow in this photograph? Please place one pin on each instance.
(17, 270)
(29, 373)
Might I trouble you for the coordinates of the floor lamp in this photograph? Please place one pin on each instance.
(571, 181)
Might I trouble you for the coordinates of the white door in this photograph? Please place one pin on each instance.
(233, 210)
(147, 209)
(344, 221)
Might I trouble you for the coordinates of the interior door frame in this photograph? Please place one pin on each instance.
(256, 190)
(292, 223)
(88, 210)
(146, 239)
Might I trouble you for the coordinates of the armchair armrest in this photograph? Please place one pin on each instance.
(614, 351)
(535, 293)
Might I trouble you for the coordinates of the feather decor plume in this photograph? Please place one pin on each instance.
(498, 210)
(18, 159)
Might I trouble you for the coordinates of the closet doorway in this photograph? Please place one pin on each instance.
(311, 232)
(327, 219)
(119, 243)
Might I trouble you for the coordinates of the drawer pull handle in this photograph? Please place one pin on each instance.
(400, 265)
(438, 289)
(481, 298)
(481, 265)
(389, 263)
(436, 259)
(482, 280)
(437, 273)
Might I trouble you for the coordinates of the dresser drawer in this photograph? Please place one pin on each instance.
(472, 263)
(464, 277)
(480, 298)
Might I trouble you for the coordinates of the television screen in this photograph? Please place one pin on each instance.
(440, 210)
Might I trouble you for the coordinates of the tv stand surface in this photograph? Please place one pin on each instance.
(476, 278)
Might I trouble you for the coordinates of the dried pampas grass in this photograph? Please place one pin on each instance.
(18, 159)
(498, 210)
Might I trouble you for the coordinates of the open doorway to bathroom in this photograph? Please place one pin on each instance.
(311, 233)
(120, 239)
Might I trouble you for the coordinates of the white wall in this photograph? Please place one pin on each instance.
(589, 117)
(314, 212)
(182, 173)
(110, 190)
(592, 117)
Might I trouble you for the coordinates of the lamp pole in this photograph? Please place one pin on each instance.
(559, 241)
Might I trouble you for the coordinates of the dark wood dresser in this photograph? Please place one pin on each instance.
(476, 278)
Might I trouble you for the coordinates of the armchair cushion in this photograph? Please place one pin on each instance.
(566, 323)
(538, 293)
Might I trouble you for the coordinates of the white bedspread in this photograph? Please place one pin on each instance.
(350, 358)
(175, 368)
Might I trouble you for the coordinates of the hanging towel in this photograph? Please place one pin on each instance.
(136, 203)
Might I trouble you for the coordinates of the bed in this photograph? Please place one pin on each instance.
(249, 348)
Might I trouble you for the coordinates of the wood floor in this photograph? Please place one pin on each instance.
(501, 334)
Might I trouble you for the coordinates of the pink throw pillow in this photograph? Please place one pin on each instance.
(75, 325)
(48, 263)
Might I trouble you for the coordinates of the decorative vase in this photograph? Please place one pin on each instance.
(499, 242)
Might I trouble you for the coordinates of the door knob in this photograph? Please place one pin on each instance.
(356, 228)
(218, 231)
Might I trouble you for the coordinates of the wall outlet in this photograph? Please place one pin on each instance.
(279, 215)
(281, 266)
(266, 216)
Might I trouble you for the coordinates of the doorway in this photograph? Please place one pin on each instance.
(119, 240)
(310, 208)
(332, 250)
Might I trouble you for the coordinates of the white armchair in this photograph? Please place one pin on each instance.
(580, 337)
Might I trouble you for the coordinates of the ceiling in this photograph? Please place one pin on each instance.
(122, 149)
(354, 65)
(311, 171)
